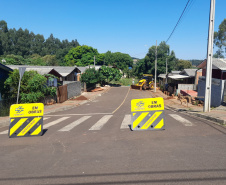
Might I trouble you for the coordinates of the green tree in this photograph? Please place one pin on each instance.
(81, 56)
(33, 87)
(147, 66)
(107, 74)
(220, 40)
(183, 64)
(90, 77)
(50, 60)
(25, 43)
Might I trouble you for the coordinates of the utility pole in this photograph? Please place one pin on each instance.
(166, 70)
(21, 72)
(207, 101)
(155, 64)
(94, 61)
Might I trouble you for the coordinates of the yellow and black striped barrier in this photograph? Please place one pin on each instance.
(26, 120)
(147, 114)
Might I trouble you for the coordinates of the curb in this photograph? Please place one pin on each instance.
(200, 115)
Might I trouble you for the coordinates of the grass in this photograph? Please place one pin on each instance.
(125, 81)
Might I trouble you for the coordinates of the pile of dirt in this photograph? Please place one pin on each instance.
(168, 98)
(96, 89)
(81, 98)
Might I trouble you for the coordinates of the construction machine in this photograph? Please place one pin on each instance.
(145, 83)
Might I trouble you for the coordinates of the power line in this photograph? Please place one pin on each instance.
(178, 21)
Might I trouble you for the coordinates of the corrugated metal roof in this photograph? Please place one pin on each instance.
(178, 77)
(82, 69)
(62, 70)
(40, 69)
(162, 76)
(219, 63)
(189, 72)
(175, 72)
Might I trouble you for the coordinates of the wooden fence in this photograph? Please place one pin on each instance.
(62, 94)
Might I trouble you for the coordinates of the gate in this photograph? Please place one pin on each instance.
(62, 93)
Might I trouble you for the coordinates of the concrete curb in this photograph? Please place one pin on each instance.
(207, 117)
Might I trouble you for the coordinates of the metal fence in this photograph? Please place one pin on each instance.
(5, 106)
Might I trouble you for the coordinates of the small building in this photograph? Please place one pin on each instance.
(42, 70)
(64, 73)
(218, 84)
(178, 81)
(68, 73)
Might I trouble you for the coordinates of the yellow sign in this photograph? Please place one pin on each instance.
(27, 110)
(26, 120)
(147, 114)
(147, 104)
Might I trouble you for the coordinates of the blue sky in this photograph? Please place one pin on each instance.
(127, 26)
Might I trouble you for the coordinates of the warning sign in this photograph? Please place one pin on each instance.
(26, 120)
(147, 114)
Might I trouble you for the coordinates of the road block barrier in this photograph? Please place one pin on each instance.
(26, 120)
(147, 114)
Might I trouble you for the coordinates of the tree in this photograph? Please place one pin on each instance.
(81, 56)
(147, 65)
(107, 74)
(183, 64)
(25, 43)
(90, 77)
(33, 87)
(220, 40)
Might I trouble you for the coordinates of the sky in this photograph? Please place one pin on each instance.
(126, 26)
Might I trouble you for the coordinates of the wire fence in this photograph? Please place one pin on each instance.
(5, 106)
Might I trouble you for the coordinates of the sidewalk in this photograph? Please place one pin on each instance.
(216, 114)
(77, 101)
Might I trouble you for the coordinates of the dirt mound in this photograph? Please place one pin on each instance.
(96, 89)
(81, 98)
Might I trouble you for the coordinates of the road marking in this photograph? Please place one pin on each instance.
(4, 132)
(54, 122)
(126, 121)
(61, 115)
(122, 102)
(45, 118)
(74, 124)
(181, 119)
(101, 122)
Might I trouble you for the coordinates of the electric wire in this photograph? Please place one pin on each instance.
(182, 14)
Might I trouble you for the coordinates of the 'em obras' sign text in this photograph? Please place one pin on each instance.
(26, 120)
(147, 114)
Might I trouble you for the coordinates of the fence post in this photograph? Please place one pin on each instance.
(85, 89)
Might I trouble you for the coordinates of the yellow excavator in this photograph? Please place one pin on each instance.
(145, 83)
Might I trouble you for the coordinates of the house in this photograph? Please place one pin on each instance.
(218, 85)
(178, 81)
(64, 73)
(4, 74)
(42, 70)
(162, 79)
(218, 68)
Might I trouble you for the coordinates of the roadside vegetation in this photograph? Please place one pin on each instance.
(23, 47)
(33, 87)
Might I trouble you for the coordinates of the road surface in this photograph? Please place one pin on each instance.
(93, 145)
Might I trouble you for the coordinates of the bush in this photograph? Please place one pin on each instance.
(33, 87)
(90, 77)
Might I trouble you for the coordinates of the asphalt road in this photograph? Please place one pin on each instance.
(88, 145)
